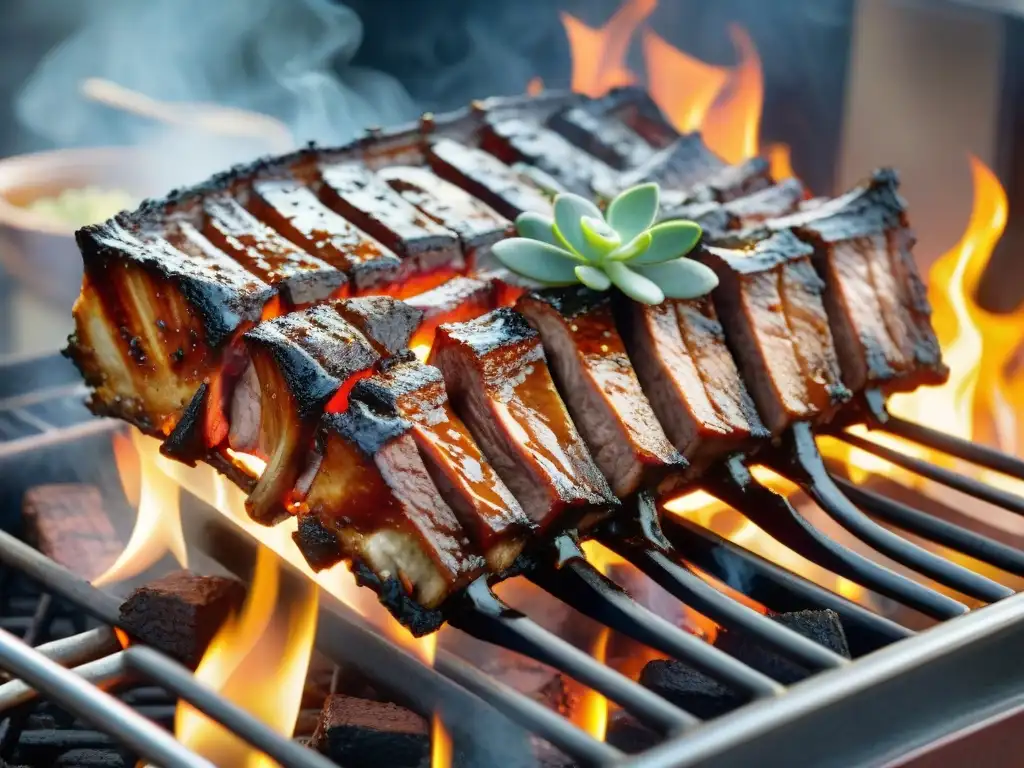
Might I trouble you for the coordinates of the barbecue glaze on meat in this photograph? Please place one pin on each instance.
(152, 322)
(498, 380)
(769, 302)
(600, 388)
(876, 302)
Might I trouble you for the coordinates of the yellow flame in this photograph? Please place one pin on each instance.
(440, 744)
(157, 528)
(683, 87)
(780, 160)
(258, 660)
(599, 55)
(732, 125)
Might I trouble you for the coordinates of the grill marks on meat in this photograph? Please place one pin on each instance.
(485, 507)
(152, 322)
(498, 379)
(875, 299)
(374, 501)
(487, 178)
(301, 278)
(477, 224)
(368, 202)
(600, 387)
(302, 361)
(769, 300)
(679, 353)
(514, 140)
(295, 212)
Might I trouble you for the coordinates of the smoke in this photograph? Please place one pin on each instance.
(290, 60)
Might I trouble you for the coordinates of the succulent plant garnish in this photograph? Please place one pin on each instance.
(621, 247)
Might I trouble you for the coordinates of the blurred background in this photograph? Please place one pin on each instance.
(834, 87)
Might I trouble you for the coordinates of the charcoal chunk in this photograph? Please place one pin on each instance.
(538, 681)
(181, 612)
(628, 734)
(359, 733)
(823, 627)
(688, 689)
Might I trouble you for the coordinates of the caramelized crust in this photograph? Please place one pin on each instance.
(600, 387)
(498, 379)
(152, 323)
(301, 278)
(458, 300)
(297, 214)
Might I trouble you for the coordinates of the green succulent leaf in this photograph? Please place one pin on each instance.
(670, 240)
(636, 286)
(569, 212)
(539, 261)
(599, 236)
(634, 210)
(681, 278)
(593, 278)
(537, 226)
(631, 250)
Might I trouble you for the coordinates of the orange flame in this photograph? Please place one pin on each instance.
(599, 55)
(682, 86)
(733, 124)
(535, 87)
(258, 660)
(158, 517)
(780, 159)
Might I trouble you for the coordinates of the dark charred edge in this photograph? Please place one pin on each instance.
(367, 428)
(418, 620)
(187, 441)
(780, 199)
(872, 207)
(681, 165)
(498, 328)
(573, 301)
(222, 308)
(461, 124)
(734, 181)
(603, 134)
(450, 296)
(761, 251)
(715, 219)
(412, 377)
(317, 543)
(387, 323)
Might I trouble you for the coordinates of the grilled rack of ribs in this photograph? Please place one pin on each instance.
(241, 314)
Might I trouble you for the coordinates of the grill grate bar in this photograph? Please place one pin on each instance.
(579, 585)
(94, 706)
(980, 547)
(801, 463)
(1011, 502)
(775, 515)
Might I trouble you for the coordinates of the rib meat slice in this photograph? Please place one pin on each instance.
(373, 501)
(386, 322)
(301, 363)
(152, 322)
(609, 139)
(295, 212)
(600, 387)
(458, 300)
(301, 278)
(427, 249)
(487, 178)
(875, 299)
(492, 517)
(679, 353)
(498, 379)
(769, 301)
(477, 224)
(769, 203)
(515, 140)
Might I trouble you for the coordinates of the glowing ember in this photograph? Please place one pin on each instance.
(599, 55)
(254, 465)
(535, 87)
(266, 648)
(158, 521)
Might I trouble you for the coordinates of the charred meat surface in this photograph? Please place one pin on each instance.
(301, 363)
(597, 380)
(373, 500)
(498, 379)
(602, 135)
(296, 212)
(515, 140)
(769, 302)
(152, 322)
(458, 300)
(680, 166)
(367, 201)
(300, 277)
(387, 323)
(876, 302)
(679, 353)
(484, 176)
(770, 203)
(477, 224)
(492, 517)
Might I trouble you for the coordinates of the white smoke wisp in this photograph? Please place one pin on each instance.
(289, 60)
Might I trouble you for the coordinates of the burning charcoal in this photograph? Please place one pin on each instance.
(359, 733)
(181, 612)
(823, 627)
(627, 733)
(531, 678)
(68, 524)
(688, 689)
